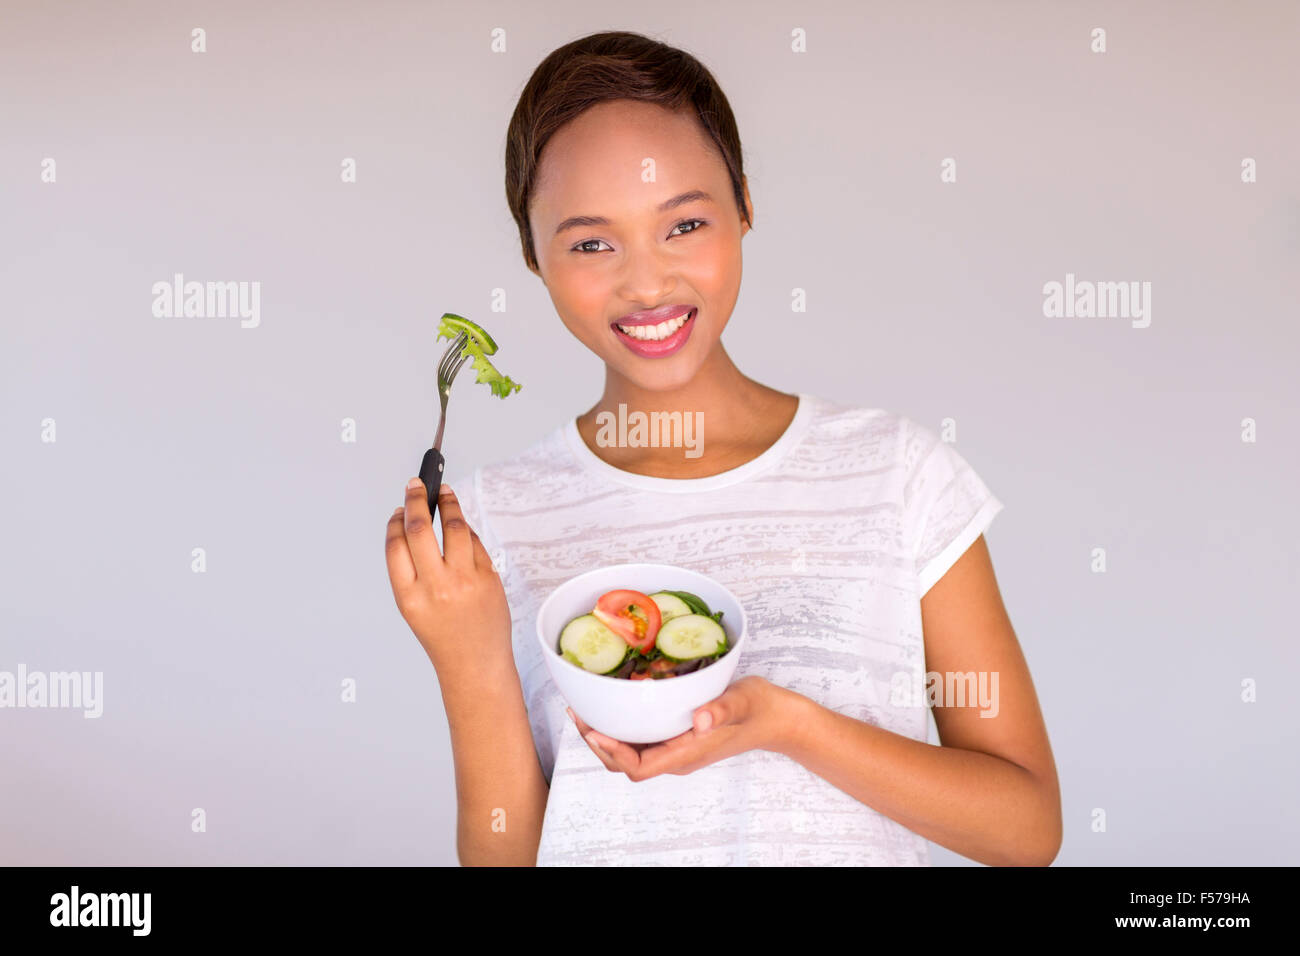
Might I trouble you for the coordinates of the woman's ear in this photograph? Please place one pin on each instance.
(749, 206)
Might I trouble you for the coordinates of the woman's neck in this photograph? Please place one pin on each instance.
(719, 420)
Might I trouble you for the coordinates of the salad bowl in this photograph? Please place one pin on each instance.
(638, 711)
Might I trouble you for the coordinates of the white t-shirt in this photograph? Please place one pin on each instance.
(828, 538)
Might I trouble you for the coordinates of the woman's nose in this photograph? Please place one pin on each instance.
(646, 277)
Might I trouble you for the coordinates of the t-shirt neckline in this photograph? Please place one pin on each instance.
(769, 457)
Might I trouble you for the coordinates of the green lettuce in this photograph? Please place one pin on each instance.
(452, 325)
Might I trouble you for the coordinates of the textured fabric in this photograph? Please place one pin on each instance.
(829, 539)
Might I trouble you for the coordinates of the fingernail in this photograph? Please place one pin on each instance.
(706, 720)
(413, 484)
(569, 711)
(444, 489)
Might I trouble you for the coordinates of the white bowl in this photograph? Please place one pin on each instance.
(638, 711)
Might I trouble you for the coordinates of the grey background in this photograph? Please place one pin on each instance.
(222, 689)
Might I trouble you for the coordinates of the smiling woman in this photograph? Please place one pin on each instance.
(603, 68)
(635, 229)
(851, 536)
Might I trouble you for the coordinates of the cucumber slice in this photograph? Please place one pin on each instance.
(587, 642)
(458, 323)
(690, 636)
(670, 605)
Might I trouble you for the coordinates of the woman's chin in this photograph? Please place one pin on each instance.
(667, 380)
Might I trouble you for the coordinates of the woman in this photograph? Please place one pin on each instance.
(852, 536)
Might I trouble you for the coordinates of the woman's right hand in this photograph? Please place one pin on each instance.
(454, 602)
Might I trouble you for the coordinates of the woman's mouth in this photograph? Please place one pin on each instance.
(656, 341)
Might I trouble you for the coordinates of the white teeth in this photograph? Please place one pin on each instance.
(655, 332)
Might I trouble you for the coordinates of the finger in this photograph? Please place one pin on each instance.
(419, 531)
(482, 560)
(401, 570)
(600, 745)
(457, 545)
(727, 709)
(582, 728)
(604, 758)
(705, 719)
(674, 755)
(624, 755)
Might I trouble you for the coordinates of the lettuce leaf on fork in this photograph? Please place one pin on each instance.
(478, 346)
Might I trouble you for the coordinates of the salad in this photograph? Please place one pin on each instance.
(639, 636)
(478, 346)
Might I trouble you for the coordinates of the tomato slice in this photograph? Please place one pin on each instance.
(631, 615)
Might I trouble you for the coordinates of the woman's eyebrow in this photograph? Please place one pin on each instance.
(683, 199)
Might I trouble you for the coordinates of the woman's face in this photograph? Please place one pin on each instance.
(620, 161)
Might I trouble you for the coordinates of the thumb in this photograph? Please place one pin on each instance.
(715, 713)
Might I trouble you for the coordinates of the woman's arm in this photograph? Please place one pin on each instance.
(456, 606)
(501, 793)
(990, 792)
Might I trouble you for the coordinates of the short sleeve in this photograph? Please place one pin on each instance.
(946, 506)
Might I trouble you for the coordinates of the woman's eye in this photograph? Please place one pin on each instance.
(582, 246)
(698, 222)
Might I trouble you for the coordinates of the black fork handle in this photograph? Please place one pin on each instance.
(431, 474)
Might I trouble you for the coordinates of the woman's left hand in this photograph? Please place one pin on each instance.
(750, 715)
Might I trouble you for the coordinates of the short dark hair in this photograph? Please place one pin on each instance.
(610, 66)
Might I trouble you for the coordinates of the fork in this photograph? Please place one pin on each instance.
(432, 467)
